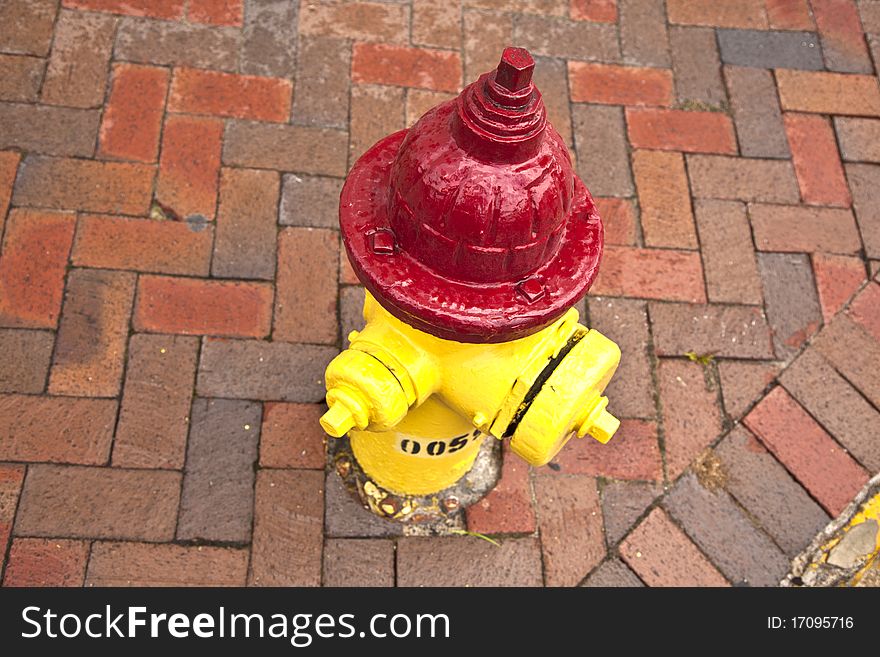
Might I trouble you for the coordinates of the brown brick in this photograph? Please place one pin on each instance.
(225, 12)
(26, 362)
(57, 429)
(626, 322)
(8, 167)
(797, 228)
(838, 342)
(603, 161)
(269, 38)
(33, 262)
(756, 112)
(77, 72)
(541, 7)
(613, 573)
(167, 43)
(199, 91)
(291, 436)
(48, 130)
(11, 478)
(843, 42)
(859, 139)
(651, 274)
(485, 36)
(559, 37)
(623, 502)
(618, 218)
(832, 401)
(551, 78)
(837, 279)
(597, 11)
(696, 66)
(864, 181)
(745, 13)
(724, 331)
(217, 499)
(830, 475)
(246, 224)
(86, 502)
(865, 309)
(199, 307)
(570, 522)
(828, 93)
(468, 561)
(691, 417)
(728, 254)
(676, 130)
(286, 148)
(436, 25)
(133, 118)
(664, 199)
(90, 347)
(305, 300)
(790, 300)
(744, 382)
(20, 77)
(789, 14)
(254, 369)
(363, 562)
(154, 417)
(643, 32)
(375, 113)
(662, 555)
(869, 10)
(162, 247)
(715, 176)
(70, 184)
(404, 66)
(619, 85)
(149, 564)
(189, 166)
(345, 516)
(361, 21)
(322, 82)
(816, 161)
(26, 26)
(768, 493)
(311, 201)
(507, 508)
(745, 554)
(46, 562)
(167, 9)
(288, 531)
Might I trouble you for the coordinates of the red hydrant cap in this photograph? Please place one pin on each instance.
(472, 225)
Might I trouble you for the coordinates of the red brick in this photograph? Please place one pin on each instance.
(662, 555)
(828, 93)
(744, 382)
(633, 453)
(155, 411)
(839, 342)
(76, 75)
(133, 118)
(676, 130)
(790, 228)
(8, 166)
(90, 345)
(436, 24)
(11, 478)
(789, 14)
(288, 528)
(46, 562)
(20, 78)
(840, 30)
(359, 21)
(162, 247)
(346, 273)
(291, 436)
(837, 279)
(402, 66)
(507, 508)
(199, 307)
(150, 564)
(358, 562)
(619, 85)
(721, 330)
(74, 184)
(166, 9)
(651, 274)
(247, 224)
(816, 161)
(26, 359)
(691, 416)
(596, 11)
(216, 12)
(664, 199)
(570, 520)
(810, 454)
(618, 218)
(305, 302)
(88, 502)
(718, 13)
(196, 91)
(865, 310)
(26, 26)
(32, 267)
(189, 167)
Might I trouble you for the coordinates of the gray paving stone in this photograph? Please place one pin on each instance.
(763, 49)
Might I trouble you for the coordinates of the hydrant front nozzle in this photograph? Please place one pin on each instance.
(338, 420)
(599, 423)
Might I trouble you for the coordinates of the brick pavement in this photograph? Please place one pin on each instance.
(171, 285)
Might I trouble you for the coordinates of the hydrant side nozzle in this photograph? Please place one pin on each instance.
(599, 423)
(338, 420)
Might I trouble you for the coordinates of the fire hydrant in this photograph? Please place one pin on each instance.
(474, 240)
